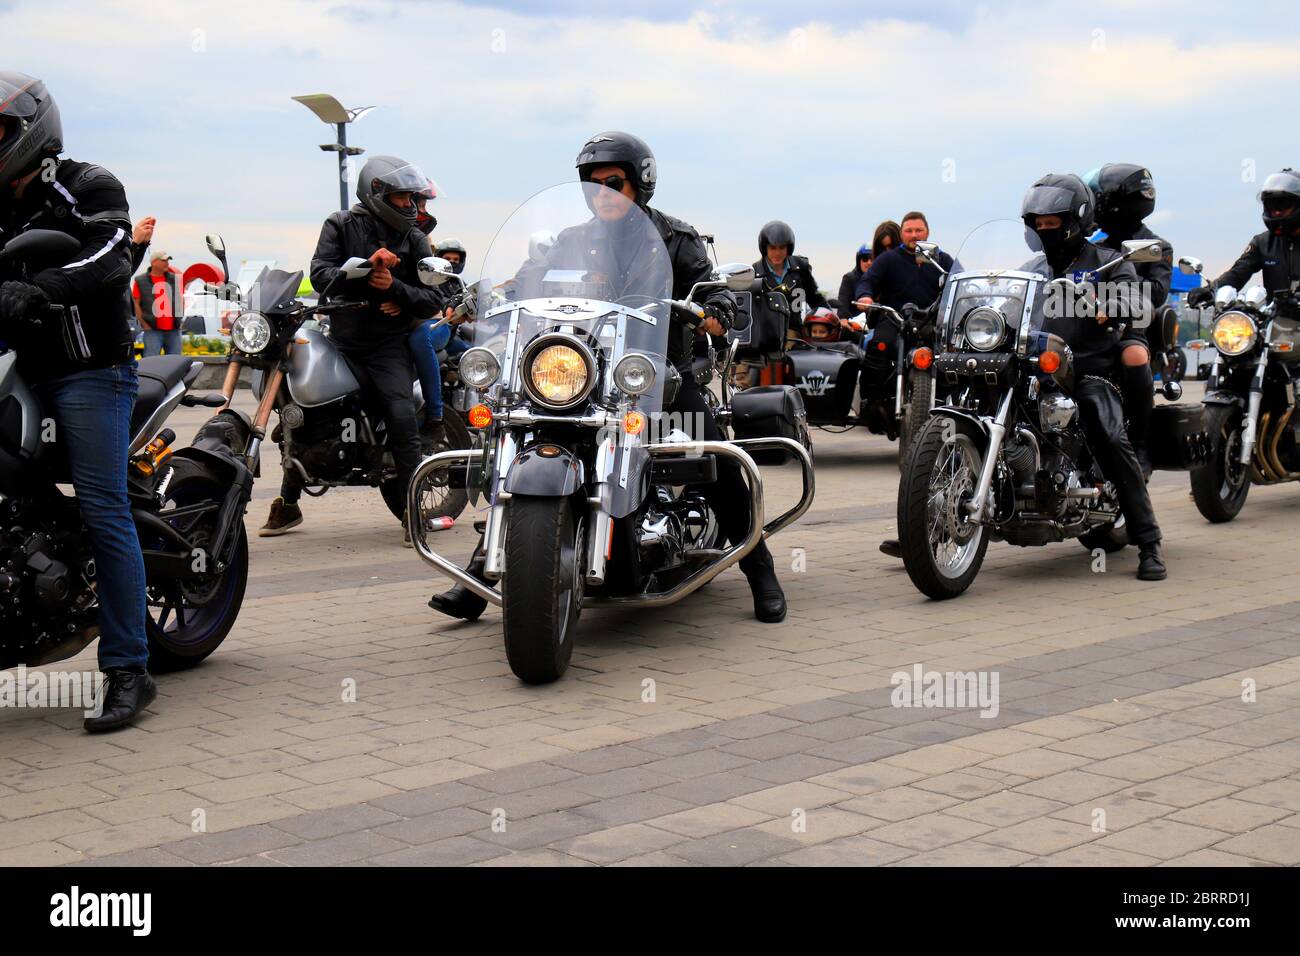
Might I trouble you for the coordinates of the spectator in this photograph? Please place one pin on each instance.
(896, 279)
(160, 290)
(845, 307)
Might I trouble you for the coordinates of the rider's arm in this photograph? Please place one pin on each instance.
(329, 257)
(1160, 275)
(105, 255)
(417, 301)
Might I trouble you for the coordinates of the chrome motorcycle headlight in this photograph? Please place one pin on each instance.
(479, 367)
(635, 374)
(251, 333)
(1234, 333)
(559, 371)
(984, 328)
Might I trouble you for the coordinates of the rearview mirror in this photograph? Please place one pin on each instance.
(356, 268)
(1143, 250)
(216, 246)
(434, 270)
(925, 251)
(1190, 266)
(44, 244)
(738, 276)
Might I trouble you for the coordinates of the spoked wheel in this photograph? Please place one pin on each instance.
(543, 586)
(189, 618)
(1221, 485)
(437, 498)
(942, 548)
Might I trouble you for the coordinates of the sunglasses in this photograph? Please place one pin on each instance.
(615, 183)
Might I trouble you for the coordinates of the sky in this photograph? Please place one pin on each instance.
(831, 116)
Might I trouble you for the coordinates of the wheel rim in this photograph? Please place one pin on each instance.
(953, 540)
(186, 615)
(1233, 471)
(570, 598)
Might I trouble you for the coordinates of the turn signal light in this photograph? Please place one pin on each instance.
(880, 346)
(480, 416)
(155, 454)
(923, 358)
(1049, 362)
(634, 423)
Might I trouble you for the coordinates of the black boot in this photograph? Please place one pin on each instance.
(891, 547)
(126, 693)
(769, 599)
(1138, 391)
(1151, 567)
(459, 601)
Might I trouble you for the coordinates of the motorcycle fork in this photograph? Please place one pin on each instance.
(231, 382)
(997, 432)
(270, 390)
(494, 535)
(1252, 410)
(901, 370)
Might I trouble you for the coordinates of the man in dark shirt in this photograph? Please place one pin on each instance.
(895, 278)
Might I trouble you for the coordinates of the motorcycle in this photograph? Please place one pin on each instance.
(1003, 455)
(592, 492)
(327, 433)
(187, 505)
(1250, 397)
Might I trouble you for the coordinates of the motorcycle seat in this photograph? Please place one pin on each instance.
(158, 375)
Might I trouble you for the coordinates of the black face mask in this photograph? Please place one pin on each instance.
(1059, 245)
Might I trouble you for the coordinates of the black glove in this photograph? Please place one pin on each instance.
(722, 312)
(19, 299)
(1201, 295)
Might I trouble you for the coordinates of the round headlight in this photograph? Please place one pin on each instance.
(634, 374)
(251, 333)
(984, 328)
(557, 374)
(1234, 333)
(479, 367)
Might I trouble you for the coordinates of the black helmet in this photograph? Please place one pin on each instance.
(776, 233)
(382, 176)
(425, 221)
(30, 120)
(623, 150)
(1281, 191)
(452, 245)
(1067, 196)
(1126, 194)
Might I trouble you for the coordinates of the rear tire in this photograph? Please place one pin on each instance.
(1221, 485)
(916, 412)
(942, 550)
(543, 586)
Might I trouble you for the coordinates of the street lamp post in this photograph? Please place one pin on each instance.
(331, 111)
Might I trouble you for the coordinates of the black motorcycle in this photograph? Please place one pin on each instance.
(1004, 455)
(187, 504)
(1250, 398)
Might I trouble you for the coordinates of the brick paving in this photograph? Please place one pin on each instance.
(1137, 725)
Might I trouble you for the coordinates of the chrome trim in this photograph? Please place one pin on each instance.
(997, 430)
(419, 537)
(568, 341)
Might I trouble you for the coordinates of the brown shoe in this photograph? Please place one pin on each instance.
(284, 517)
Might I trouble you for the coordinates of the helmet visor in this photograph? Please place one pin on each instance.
(1286, 183)
(15, 101)
(1049, 201)
(404, 179)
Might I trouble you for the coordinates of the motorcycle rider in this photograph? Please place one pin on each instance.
(1059, 214)
(624, 165)
(1275, 252)
(81, 365)
(780, 270)
(845, 306)
(1126, 195)
(895, 278)
(381, 227)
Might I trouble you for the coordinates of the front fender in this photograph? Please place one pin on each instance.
(1223, 397)
(532, 473)
(961, 414)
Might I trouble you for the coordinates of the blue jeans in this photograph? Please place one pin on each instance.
(425, 343)
(162, 343)
(92, 416)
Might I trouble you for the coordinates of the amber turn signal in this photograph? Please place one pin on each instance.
(923, 358)
(1049, 362)
(634, 423)
(480, 416)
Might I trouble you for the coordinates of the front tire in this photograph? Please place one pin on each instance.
(1221, 485)
(916, 412)
(942, 549)
(187, 621)
(543, 586)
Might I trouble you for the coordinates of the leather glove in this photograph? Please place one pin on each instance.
(19, 299)
(1201, 295)
(721, 312)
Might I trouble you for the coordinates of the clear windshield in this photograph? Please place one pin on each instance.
(992, 277)
(560, 317)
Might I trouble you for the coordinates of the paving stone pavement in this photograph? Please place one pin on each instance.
(344, 723)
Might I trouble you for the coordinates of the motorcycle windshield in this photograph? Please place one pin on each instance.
(273, 289)
(574, 283)
(993, 277)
